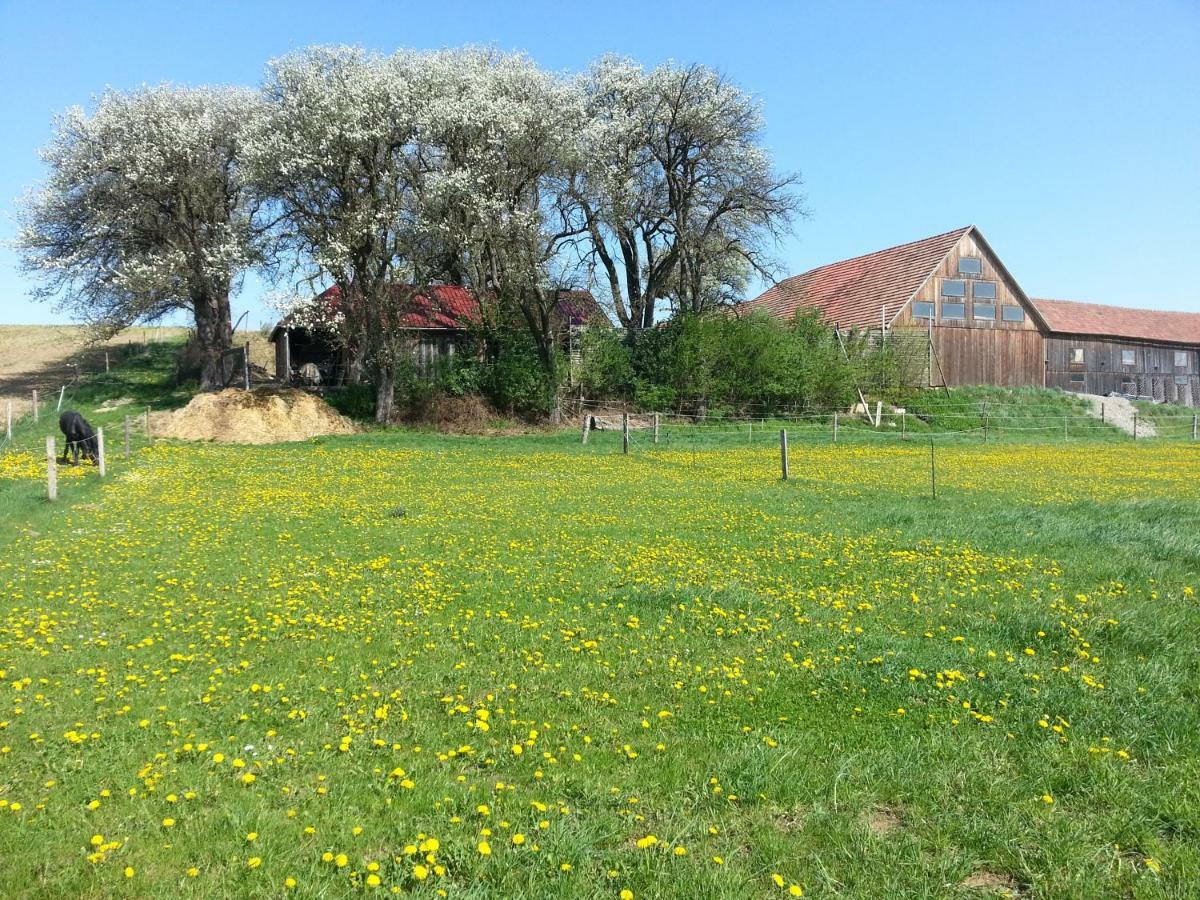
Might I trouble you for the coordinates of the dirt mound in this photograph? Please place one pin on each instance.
(261, 416)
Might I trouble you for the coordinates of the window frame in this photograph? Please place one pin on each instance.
(1078, 356)
(946, 282)
(1132, 354)
(974, 259)
(942, 313)
(1020, 310)
(977, 306)
(932, 309)
(1178, 354)
(975, 285)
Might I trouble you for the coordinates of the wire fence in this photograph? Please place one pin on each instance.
(985, 424)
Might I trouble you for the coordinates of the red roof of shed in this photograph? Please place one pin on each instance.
(858, 292)
(1072, 317)
(442, 306)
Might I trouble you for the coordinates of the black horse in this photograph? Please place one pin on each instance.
(81, 438)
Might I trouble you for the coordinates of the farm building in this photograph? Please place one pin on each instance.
(441, 320)
(982, 328)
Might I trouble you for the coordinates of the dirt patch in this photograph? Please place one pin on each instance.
(883, 821)
(456, 415)
(261, 416)
(993, 883)
(1119, 412)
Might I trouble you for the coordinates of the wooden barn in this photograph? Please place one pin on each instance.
(441, 320)
(982, 328)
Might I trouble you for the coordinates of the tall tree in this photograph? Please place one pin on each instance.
(146, 211)
(340, 159)
(679, 198)
(505, 133)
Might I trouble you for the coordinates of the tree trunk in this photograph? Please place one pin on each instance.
(385, 396)
(214, 334)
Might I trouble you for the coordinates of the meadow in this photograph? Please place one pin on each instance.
(399, 662)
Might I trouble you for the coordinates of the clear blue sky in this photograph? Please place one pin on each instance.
(1068, 131)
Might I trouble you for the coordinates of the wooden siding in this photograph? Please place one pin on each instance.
(1007, 291)
(1153, 373)
(1006, 357)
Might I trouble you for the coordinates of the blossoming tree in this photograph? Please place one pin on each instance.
(146, 211)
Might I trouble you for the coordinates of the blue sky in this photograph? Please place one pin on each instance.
(1069, 132)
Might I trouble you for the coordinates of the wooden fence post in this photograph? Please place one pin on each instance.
(878, 413)
(585, 428)
(1135, 426)
(35, 407)
(1193, 426)
(62, 390)
(932, 469)
(146, 416)
(750, 439)
(8, 422)
(51, 469)
(656, 428)
(106, 361)
(835, 427)
(985, 428)
(127, 437)
(625, 432)
(246, 363)
(1101, 412)
(904, 424)
(100, 452)
(783, 452)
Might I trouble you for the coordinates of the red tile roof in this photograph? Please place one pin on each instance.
(451, 307)
(443, 306)
(856, 292)
(1072, 317)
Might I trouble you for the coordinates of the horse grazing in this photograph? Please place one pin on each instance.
(81, 437)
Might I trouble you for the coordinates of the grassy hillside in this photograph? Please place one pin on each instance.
(529, 667)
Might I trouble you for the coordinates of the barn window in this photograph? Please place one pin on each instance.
(954, 310)
(1129, 387)
(970, 265)
(922, 310)
(1129, 357)
(954, 289)
(1077, 356)
(1012, 314)
(984, 311)
(1181, 380)
(1078, 380)
(1181, 359)
(983, 290)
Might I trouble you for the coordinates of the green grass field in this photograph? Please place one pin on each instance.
(522, 667)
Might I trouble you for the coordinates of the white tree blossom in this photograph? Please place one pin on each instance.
(146, 211)
(677, 195)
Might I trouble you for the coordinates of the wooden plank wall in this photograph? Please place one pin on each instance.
(1153, 374)
(1010, 358)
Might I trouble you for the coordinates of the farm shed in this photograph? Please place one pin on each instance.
(1110, 349)
(440, 319)
(982, 328)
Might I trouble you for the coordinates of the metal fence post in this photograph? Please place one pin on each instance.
(783, 452)
(100, 452)
(62, 390)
